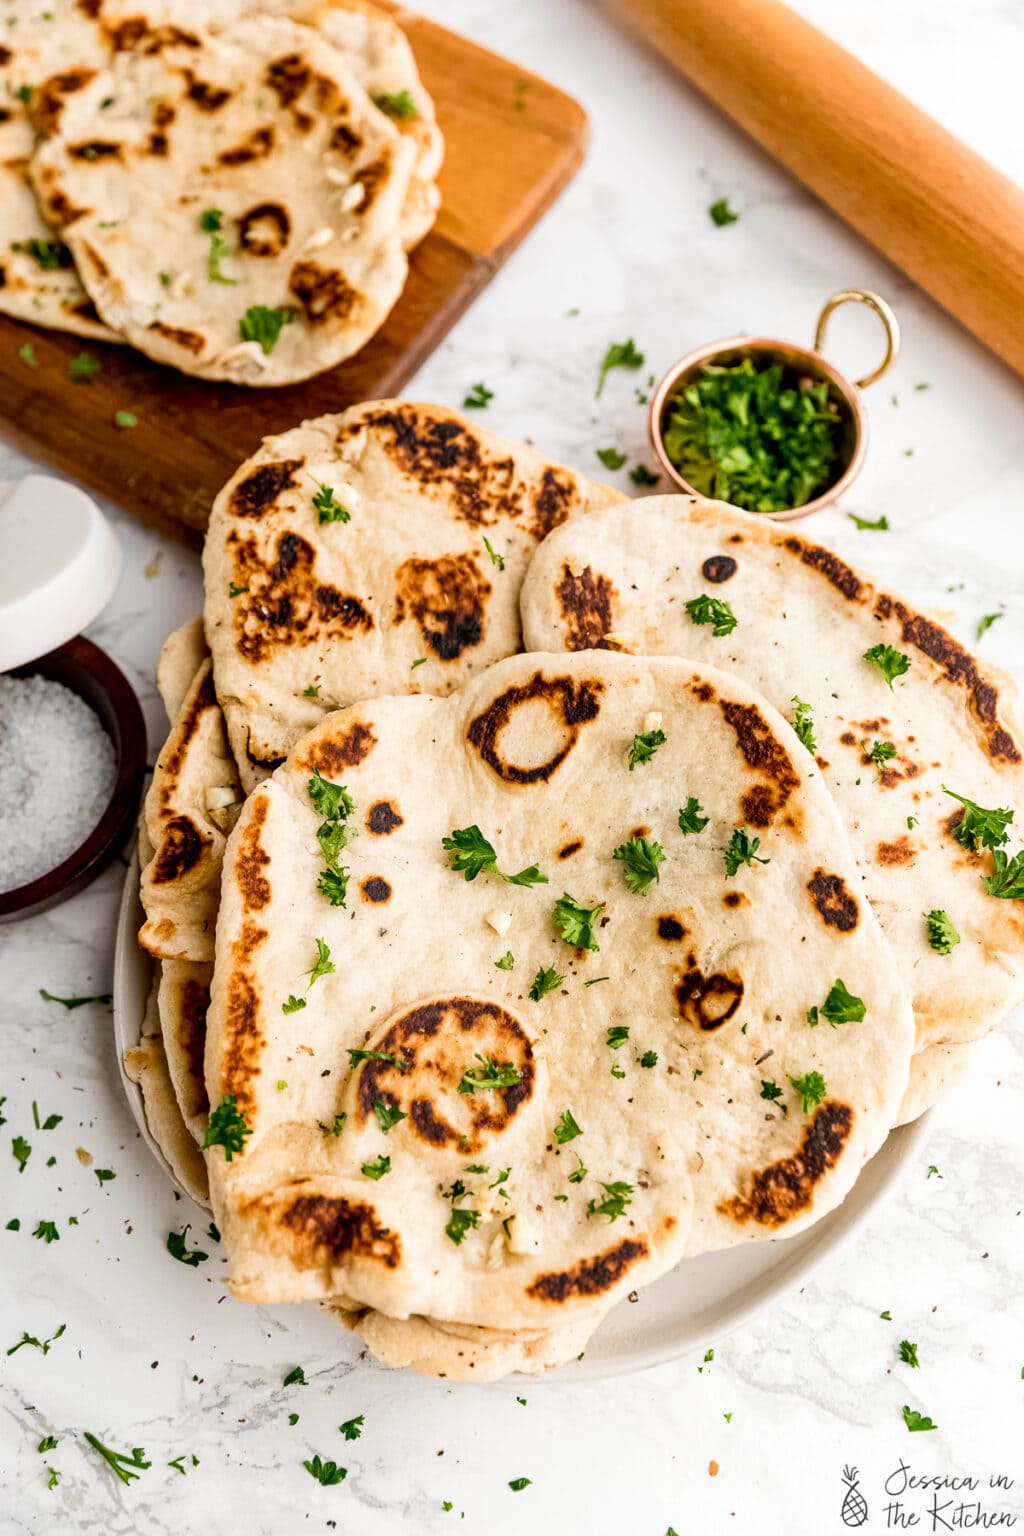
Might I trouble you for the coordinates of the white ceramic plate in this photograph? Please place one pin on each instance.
(700, 1299)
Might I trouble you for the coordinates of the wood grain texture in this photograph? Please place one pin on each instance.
(950, 220)
(513, 142)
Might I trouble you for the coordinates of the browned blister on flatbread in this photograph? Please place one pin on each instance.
(410, 1156)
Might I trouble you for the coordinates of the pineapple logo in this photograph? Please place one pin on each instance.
(855, 1505)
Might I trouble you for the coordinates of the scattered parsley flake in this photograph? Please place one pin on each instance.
(649, 1059)
(388, 1115)
(47, 1443)
(328, 509)
(176, 1248)
(327, 1473)
(611, 458)
(488, 1076)
(419, 662)
(985, 622)
(43, 1345)
(641, 475)
(337, 1125)
(840, 1007)
(908, 1354)
(942, 936)
(803, 725)
(378, 1168)
(641, 860)
(332, 801)
(714, 611)
(891, 663)
(811, 1088)
(546, 980)
(621, 354)
(125, 1467)
(576, 923)
(352, 1428)
(721, 214)
(83, 368)
(886, 1316)
(932, 1169)
(398, 1062)
(324, 964)
(645, 744)
(742, 849)
(865, 524)
(125, 419)
(595, 979)
(980, 828)
(227, 1128)
(692, 818)
(916, 1421)
(879, 752)
(618, 1196)
(567, 1128)
(312, 692)
(618, 1034)
(1008, 880)
(27, 353)
(236, 591)
(506, 962)
(50, 255)
(479, 398)
(517, 1484)
(263, 325)
(773, 1093)
(22, 1152)
(75, 1002)
(400, 105)
(578, 1174)
(474, 855)
(495, 558)
(293, 1004)
(105, 1174)
(462, 1220)
(296, 1377)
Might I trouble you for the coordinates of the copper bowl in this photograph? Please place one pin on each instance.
(89, 672)
(802, 363)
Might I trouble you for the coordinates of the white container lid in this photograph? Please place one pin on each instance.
(60, 562)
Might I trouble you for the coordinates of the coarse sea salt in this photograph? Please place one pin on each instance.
(57, 772)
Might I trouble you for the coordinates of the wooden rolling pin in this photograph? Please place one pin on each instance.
(931, 205)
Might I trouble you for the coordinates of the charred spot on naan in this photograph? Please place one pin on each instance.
(48, 98)
(324, 292)
(288, 76)
(320, 1229)
(670, 928)
(960, 669)
(707, 1001)
(447, 598)
(243, 1039)
(96, 149)
(172, 759)
(838, 909)
(286, 604)
(264, 230)
(438, 451)
(558, 707)
(158, 143)
(766, 755)
(259, 492)
(193, 1005)
(383, 818)
(735, 899)
(586, 603)
(251, 859)
(59, 209)
(786, 1189)
(376, 889)
(569, 849)
(205, 97)
(182, 845)
(332, 754)
(89, 259)
(718, 568)
(256, 146)
(834, 570)
(902, 851)
(189, 341)
(441, 1041)
(590, 1277)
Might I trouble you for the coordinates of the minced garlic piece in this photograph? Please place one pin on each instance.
(652, 720)
(500, 921)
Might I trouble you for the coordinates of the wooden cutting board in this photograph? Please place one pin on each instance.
(513, 142)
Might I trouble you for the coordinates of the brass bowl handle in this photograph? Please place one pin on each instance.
(882, 310)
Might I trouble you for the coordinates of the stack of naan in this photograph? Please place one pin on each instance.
(232, 187)
(517, 935)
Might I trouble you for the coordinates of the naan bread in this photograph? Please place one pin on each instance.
(46, 53)
(146, 1064)
(804, 620)
(266, 123)
(403, 598)
(190, 808)
(714, 975)
(183, 1001)
(934, 1073)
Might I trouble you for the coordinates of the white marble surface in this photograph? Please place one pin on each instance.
(155, 1354)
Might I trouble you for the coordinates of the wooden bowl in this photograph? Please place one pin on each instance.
(799, 363)
(89, 672)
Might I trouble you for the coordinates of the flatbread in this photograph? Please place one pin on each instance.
(146, 1065)
(41, 61)
(266, 123)
(303, 616)
(181, 656)
(702, 971)
(190, 808)
(183, 1001)
(804, 621)
(934, 1073)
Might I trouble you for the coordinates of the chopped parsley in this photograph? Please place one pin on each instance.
(891, 663)
(41, 1344)
(125, 419)
(105, 1174)
(51, 255)
(517, 1484)
(881, 526)
(263, 325)
(811, 1088)
(479, 398)
(125, 1467)
(332, 801)
(75, 1002)
(980, 828)
(420, 661)
(942, 936)
(352, 1428)
(617, 1196)
(916, 1421)
(692, 818)
(640, 859)
(618, 1034)
(567, 1129)
(378, 1168)
(333, 836)
(742, 849)
(576, 923)
(1008, 880)
(328, 509)
(83, 368)
(611, 458)
(400, 1062)
(312, 692)
(985, 622)
(22, 1152)
(27, 353)
(460, 1222)
(474, 855)
(178, 1461)
(324, 964)
(388, 1115)
(296, 1377)
(337, 1126)
(878, 753)
(617, 1071)
(753, 436)
(227, 1128)
(803, 725)
(641, 475)
(649, 1059)
(546, 980)
(177, 1250)
(621, 354)
(886, 1316)
(578, 1174)
(645, 744)
(327, 1473)
(333, 883)
(210, 222)
(506, 962)
(293, 1004)
(908, 1354)
(773, 1093)
(721, 214)
(488, 1076)
(495, 558)
(840, 1007)
(400, 105)
(714, 611)
(47, 1443)
(49, 1124)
